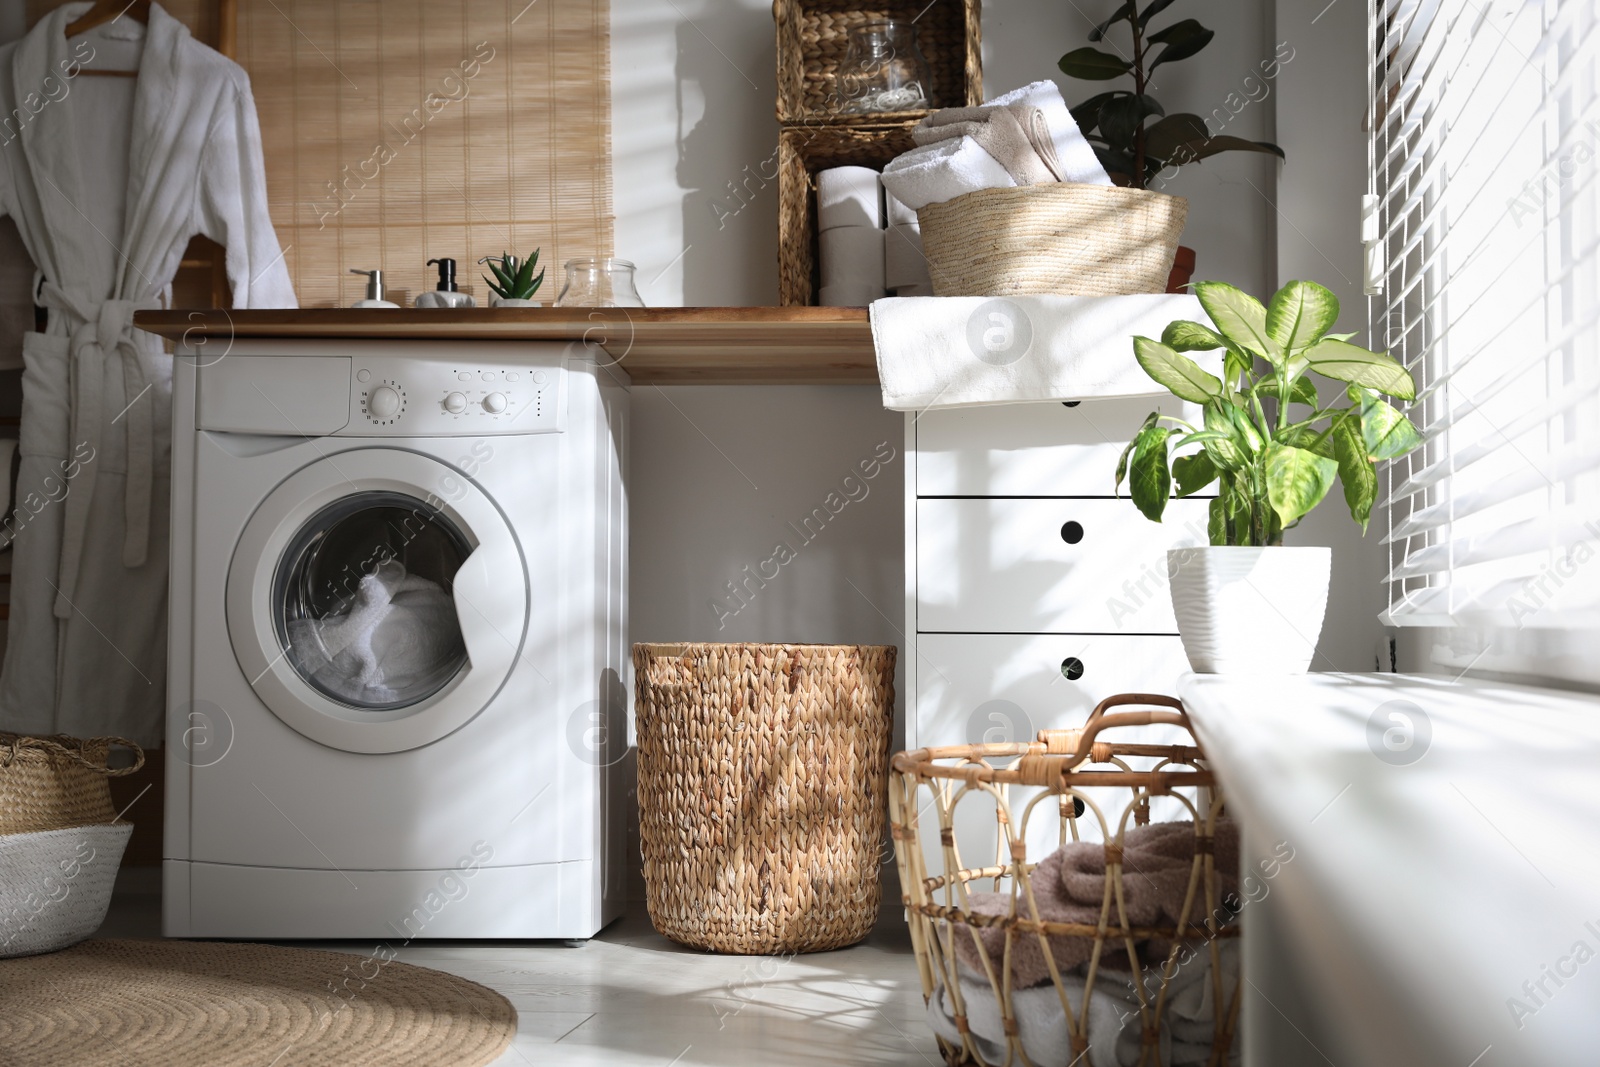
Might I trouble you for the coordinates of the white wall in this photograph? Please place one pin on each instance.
(1320, 103)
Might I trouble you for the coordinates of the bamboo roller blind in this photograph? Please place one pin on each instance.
(397, 131)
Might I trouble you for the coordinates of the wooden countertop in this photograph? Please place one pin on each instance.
(708, 346)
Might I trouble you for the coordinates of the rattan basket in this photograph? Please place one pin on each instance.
(812, 36)
(48, 783)
(1061, 238)
(1031, 799)
(762, 771)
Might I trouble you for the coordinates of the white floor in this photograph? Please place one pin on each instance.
(631, 998)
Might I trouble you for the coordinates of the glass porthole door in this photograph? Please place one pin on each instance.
(377, 600)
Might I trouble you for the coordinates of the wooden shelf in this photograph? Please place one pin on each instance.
(656, 346)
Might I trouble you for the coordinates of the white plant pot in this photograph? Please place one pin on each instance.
(504, 302)
(1249, 610)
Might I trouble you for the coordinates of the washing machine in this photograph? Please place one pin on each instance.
(398, 661)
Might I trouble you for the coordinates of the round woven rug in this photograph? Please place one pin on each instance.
(134, 1003)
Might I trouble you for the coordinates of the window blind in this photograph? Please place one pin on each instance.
(1485, 164)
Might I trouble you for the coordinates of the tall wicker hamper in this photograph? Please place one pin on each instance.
(1044, 789)
(762, 777)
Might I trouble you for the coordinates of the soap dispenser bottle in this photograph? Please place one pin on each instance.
(374, 291)
(445, 295)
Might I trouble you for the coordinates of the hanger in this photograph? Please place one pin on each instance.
(109, 11)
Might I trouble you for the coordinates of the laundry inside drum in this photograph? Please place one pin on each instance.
(363, 601)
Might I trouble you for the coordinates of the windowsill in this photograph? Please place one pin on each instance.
(1421, 895)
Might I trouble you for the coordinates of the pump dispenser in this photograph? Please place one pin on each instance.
(445, 295)
(374, 291)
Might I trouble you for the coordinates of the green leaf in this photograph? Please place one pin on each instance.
(1198, 148)
(1301, 390)
(1217, 521)
(1122, 463)
(1235, 364)
(1154, 8)
(1193, 473)
(1087, 114)
(1181, 375)
(1125, 12)
(1121, 117)
(1149, 481)
(1182, 39)
(1307, 438)
(1299, 314)
(1346, 362)
(1386, 432)
(1240, 317)
(1091, 64)
(1227, 449)
(1184, 336)
(1297, 480)
(1356, 473)
(1162, 138)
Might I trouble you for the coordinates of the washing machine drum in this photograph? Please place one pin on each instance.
(377, 600)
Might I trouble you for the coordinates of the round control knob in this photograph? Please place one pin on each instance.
(455, 403)
(383, 403)
(494, 403)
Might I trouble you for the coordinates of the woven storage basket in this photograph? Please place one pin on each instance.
(1063, 238)
(1030, 799)
(57, 885)
(762, 775)
(47, 783)
(812, 36)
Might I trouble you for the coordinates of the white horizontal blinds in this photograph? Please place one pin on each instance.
(1486, 158)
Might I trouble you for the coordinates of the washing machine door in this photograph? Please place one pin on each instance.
(377, 600)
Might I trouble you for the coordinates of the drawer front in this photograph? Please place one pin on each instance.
(1032, 449)
(992, 688)
(1048, 566)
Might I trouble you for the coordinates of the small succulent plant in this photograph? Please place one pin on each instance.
(514, 279)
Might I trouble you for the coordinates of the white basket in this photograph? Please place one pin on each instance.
(55, 885)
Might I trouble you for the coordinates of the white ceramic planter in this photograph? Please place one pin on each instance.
(506, 302)
(1249, 610)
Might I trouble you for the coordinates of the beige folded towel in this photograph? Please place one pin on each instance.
(1017, 136)
(1069, 885)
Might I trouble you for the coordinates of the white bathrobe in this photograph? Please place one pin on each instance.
(86, 650)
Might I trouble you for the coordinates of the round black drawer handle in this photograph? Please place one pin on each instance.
(1070, 403)
(1071, 532)
(1072, 668)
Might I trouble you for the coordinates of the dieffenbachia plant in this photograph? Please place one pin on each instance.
(1270, 467)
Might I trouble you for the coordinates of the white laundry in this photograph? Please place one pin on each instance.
(1114, 1028)
(86, 653)
(399, 632)
(943, 171)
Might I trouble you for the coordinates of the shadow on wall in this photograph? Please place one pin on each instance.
(727, 158)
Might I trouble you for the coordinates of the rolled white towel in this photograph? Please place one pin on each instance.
(903, 261)
(943, 171)
(896, 213)
(854, 295)
(1075, 154)
(849, 196)
(852, 255)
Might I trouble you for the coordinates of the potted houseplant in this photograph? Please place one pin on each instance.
(514, 281)
(1272, 449)
(1132, 134)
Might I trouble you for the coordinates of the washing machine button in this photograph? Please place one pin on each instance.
(512, 375)
(494, 403)
(384, 402)
(455, 403)
(363, 376)
(540, 377)
(487, 376)
(464, 376)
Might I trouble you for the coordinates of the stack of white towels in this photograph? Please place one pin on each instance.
(870, 240)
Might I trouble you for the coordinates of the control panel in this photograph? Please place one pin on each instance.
(412, 388)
